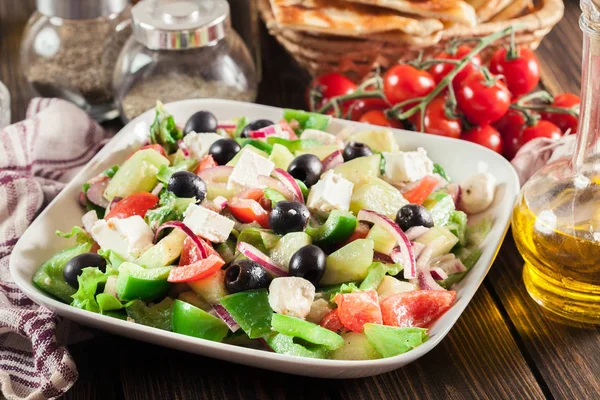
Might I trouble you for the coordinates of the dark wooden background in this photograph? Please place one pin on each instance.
(504, 346)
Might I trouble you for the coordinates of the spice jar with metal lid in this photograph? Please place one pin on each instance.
(180, 50)
(70, 48)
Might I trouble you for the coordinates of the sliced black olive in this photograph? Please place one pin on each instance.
(413, 215)
(224, 150)
(75, 266)
(187, 184)
(245, 275)
(256, 125)
(356, 149)
(201, 122)
(309, 263)
(307, 168)
(288, 216)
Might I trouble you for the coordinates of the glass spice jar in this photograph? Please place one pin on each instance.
(556, 220)
(70, 48)
(180, 50)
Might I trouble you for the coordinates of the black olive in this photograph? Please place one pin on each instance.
(187, 184)
(288, 216)
(224, 150)
(201, 122)
(307, 168)
(356, 149)
(245, 275)
(256, 125)
(75, 266)
(309, 263)
(413, 215)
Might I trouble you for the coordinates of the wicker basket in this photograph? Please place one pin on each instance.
(356, 57)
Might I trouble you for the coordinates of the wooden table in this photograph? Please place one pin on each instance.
(504, 345)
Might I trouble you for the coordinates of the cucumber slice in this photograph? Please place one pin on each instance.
(360, 169)
(212, 288)
(287, 246)
(350, 263)
(377, 195)
(281, 156)
(440, 205)
(384, 241)
(319, 151)
(163, 253)
(356, 347)
(440, 238)
(137, 174)
(233, 162)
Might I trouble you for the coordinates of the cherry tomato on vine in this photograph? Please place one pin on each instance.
(486, 136)
(403, 82)
(439, 71)
(331, 85)
(564, 121)
(436, 120)
(510, 127)
(362, 106)
(521, 74)
(377, 117)
(542, 129)
(482, 102)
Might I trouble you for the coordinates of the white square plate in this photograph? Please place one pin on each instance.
(459, 158)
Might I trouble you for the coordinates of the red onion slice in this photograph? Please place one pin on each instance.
(263, 133)
(438, 274)
(187, 231)
(226, 317)
(454, 191)
(452, 266)
(95, 193)
(276, 185)
(333, 160)
(227, 125)
(157, 189)
(289, 181)
(220, 202)
(405, 256)
(414, 232)
(257, 256)
(112, 203)
(181, 145)
(216, 174)
(384, 258)
(424, 278)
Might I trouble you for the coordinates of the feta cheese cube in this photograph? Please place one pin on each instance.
(207, 224)
(199, 143)
(291, 296)
(323, 137)
(246, 172)
(406, 166)
(331, 192)
(128, 237)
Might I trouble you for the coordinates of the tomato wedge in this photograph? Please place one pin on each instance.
(332, 321)
(419, 193)
(207, 162)
(190, 252)
(135, 204)
(358, 308)
(419, 308)
(196, 271)
(248, 210)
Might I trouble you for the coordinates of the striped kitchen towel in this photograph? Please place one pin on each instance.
(37, 157)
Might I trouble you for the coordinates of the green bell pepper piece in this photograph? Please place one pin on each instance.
(240, 125)
(262, 239)
(437, 169)
(274, 196)
(251, 310)
(284, 344)
(135, 282)
(377, 272)
(305, 330)
(340, 225)
(390, 341)
(259, 144)
(307, 120)
(108, 302)
(303, 188)
(440, 205)
(50, 278)
(156, 316)
(293, 145)
(193, 321)
(114, 259)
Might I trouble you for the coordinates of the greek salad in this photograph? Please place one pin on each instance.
(274, 235)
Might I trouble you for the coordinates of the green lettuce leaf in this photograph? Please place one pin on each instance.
(164, 131)
(157, 316)
(81, 236)
(85, 297)
(170, 208)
